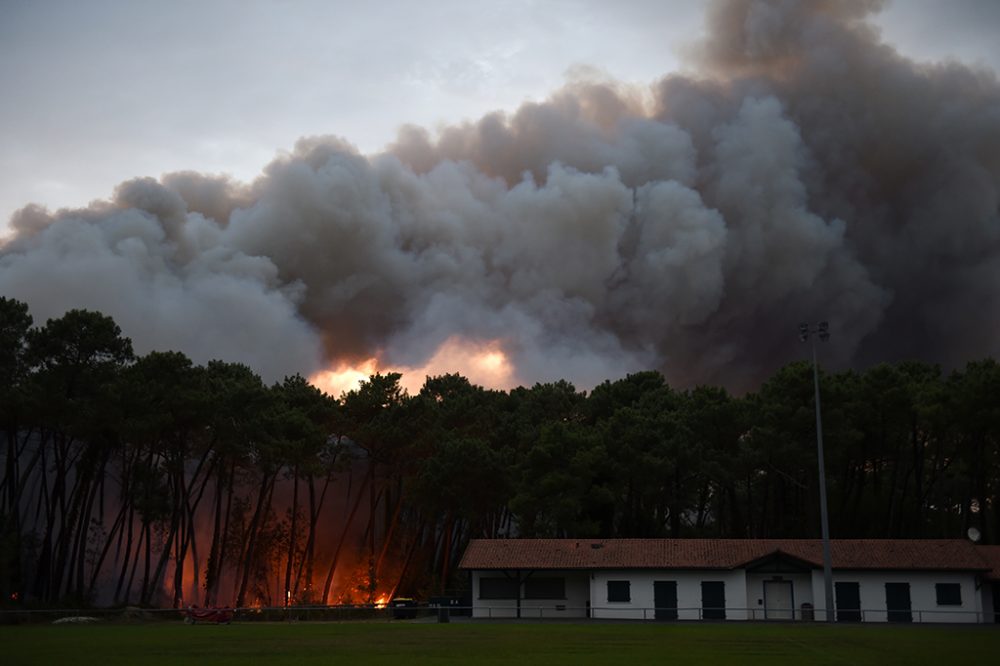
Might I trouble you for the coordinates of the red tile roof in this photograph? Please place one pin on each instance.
(925, 554)
(991, 554)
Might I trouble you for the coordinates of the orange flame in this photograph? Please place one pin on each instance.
(481, 362)
(344, 377)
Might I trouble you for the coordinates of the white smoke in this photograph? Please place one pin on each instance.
(805, 171)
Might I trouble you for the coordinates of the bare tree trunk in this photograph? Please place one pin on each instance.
(406, 563)
(84, 529)
(291, 536)
(147, 562)
(151, 583)
(186, 535)
(372, 582)
(250, 552)
(389, 533)
(449, 525)
(213, 567)
(113, 535)
(130, 524)
(220, 529)
(143, 535)
(340, 542)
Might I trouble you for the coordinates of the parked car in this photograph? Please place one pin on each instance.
(403, 608)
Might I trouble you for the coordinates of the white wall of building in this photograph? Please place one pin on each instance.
(587, 591)
(923, 594)
(641, 605)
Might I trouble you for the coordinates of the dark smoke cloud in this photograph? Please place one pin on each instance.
(804, 171)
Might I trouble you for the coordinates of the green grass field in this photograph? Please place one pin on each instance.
(411, 644)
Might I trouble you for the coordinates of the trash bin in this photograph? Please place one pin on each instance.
(807, 611)
(444, 606)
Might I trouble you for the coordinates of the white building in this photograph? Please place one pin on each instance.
(875, 580)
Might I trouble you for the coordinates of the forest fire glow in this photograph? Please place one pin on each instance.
(344, 377)
(484, 363)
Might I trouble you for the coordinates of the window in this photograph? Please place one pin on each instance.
(545, 588)
(497, 588)
(949, 594)
(619, 591)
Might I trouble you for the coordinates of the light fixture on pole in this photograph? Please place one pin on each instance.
(807, 333)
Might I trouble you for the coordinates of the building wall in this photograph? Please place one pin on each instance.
(986, 601)
(802, 593)
(586, 592)
(575, 605)
(923, 595)
(641, 605)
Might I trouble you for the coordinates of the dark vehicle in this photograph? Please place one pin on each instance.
(403, 608)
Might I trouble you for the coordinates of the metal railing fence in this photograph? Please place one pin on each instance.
(427, 613)
(612, 612)
(314, 613)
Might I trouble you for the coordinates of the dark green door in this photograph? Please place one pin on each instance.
(713, 600)
(665, 599)
(897, 602)
(848, 597)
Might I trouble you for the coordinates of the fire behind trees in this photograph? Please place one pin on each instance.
(155, 481)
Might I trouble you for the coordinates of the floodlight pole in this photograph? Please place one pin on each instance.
(806, 333)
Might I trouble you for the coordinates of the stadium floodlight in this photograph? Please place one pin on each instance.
(806, 333)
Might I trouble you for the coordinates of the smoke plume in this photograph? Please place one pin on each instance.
(801, 170)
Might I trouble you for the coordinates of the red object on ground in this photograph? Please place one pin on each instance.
(194, 615)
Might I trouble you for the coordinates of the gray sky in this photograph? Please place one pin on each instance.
(101, 91)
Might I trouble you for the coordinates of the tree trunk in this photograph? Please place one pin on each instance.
(449, 525)
(394, 521)
(340, 542)
(113, 535)
(250, 552)
(291, 537)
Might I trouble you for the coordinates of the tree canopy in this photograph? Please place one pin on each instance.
(154, 480)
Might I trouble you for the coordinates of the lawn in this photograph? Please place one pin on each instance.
(523, 644)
